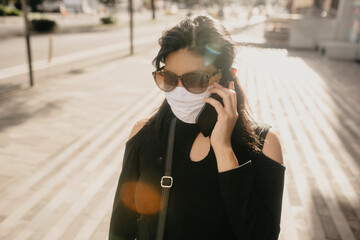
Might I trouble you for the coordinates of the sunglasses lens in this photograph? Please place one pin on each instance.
(195, 82)
(165, 81)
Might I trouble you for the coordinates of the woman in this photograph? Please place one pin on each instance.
(228, 185)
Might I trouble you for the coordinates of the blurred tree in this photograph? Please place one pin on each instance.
(259, 3)
(146, 4)
(192, 3)
(153, 8)
(17, 4)
(33, 4)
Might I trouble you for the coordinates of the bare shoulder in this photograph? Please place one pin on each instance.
(138, 126)
(272, 146)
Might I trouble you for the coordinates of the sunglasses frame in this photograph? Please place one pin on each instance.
(210, 75)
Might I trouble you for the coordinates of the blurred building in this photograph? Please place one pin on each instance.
(331, 26)
(314, 6)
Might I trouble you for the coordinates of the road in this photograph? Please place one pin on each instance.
(77, 49)
(74, 51)
(13, 50)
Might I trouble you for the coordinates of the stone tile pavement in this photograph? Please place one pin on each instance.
(61, 146)
(61, 143)
(312, 102)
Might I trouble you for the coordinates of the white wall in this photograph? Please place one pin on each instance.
(307, 33)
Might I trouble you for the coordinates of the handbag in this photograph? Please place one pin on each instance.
(166, 182)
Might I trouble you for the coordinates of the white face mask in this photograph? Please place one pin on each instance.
(186, 105)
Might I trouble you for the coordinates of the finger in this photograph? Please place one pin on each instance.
(226, 95)
(222, 91)
(232, 86)
(216, 104)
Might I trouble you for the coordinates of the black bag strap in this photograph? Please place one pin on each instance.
(166, 182)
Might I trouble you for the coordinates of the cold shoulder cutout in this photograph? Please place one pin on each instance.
(262, 131)
(272, 147)
(137, 127)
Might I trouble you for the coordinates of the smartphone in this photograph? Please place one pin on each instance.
(207, 117)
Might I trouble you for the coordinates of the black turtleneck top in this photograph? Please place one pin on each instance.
(242, 203)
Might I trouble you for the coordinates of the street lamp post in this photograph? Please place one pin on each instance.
(131, 27)
(153, 9)
(27, 37)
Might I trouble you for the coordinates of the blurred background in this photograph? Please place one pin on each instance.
(75, 76)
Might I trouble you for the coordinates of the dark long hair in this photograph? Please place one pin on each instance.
(206, 37)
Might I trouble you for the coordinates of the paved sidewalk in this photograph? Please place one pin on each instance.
(312, 102)
(61, 147)
(61, 143)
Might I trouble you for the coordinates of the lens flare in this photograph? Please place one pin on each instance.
(140, 197)
(211, 54)
(212, 49)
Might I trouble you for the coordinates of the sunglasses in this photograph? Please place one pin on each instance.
(194, 82)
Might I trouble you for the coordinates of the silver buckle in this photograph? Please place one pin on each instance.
(162, 182)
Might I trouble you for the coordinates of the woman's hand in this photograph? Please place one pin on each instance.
(227, 116)
(221, 135)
